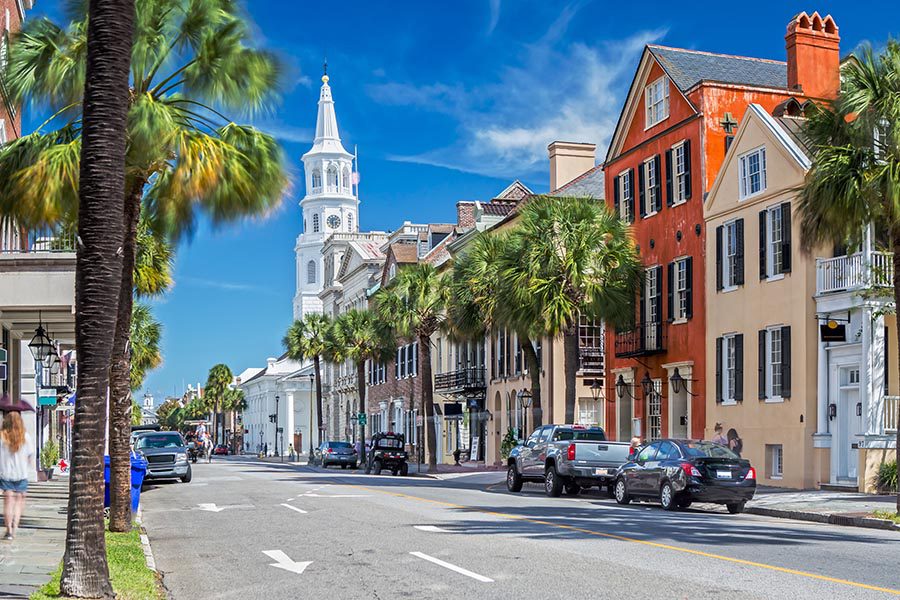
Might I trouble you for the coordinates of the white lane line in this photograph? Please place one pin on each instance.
(299, 510)
(447, 565)
(430, 528)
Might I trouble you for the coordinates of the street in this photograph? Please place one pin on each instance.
(249, 529)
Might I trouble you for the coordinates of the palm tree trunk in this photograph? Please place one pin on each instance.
(98, 275)
(570, 360)
(428, 400)
(361, 386)
(120, 374)
(534, 372)
(895, 243)
(318, 398)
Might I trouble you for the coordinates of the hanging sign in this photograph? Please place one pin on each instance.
(47, 397)
(832, 331)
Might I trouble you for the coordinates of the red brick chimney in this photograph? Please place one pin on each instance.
(813, 55)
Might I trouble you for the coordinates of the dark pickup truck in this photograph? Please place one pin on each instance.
(570, 457)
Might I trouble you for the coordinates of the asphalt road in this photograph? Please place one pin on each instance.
(466, 537)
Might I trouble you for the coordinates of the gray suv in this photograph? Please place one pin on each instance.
(166, 455)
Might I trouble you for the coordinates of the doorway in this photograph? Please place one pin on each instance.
(848, 425)
(624, 414)
(679, 419)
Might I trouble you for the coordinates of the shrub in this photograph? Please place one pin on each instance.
(886, 480)
(509, 442)
(49, 455)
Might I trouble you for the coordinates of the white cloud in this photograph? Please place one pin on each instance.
(494, 6)
(286, 133)
(223, 285)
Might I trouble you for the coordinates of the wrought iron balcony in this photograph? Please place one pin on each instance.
(467, 379)
(591, 360)
(641, 340)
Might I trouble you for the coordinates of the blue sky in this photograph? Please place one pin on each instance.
(446, 101)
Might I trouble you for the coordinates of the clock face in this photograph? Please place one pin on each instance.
(334, 221)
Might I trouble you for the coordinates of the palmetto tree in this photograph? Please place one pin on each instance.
(216, 392)
(146, 332)
(98, 272)
(854, 181)
(570, 257)
(415, 304)
(360, 336)
(309, 338)
(190, 60)
(234, 402)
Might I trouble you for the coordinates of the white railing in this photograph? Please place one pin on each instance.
(889, 413)
(856, 271)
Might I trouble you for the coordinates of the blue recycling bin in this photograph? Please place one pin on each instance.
(138, 471)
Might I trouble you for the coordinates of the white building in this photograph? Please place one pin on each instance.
(330, 204)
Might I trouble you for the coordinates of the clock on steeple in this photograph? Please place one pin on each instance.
(334, 221)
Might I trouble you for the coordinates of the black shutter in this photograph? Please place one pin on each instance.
(786, 362)
(739, 367)
(641, 183)
(719, 231)
(658, 299)
(786, 237)
(762, 244)
(670, 198)
(670, 292)
(689, 286)
(687, 169)
(739, 256)
(762, 364)
(631, 199)
(657, 190)
(718, 369)
(887, 344)
(642, 300)
(616, 196)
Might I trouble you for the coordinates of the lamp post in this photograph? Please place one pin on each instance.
(276, 427)
(40, 345)
(525, 398)
(312, 378)
(647, 384)
(621, 387)
(595, 394)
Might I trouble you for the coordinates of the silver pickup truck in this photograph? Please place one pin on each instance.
(570, 457)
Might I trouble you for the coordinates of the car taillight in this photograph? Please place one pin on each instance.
(690, 470)
(570, 453)
(329, 451)
(751, 473)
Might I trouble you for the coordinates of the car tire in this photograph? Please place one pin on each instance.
(395, 472)
(513, 479)
(610, 490)
(187, 476)
(404, 469)
(572, 489)
(377, 466)
(553, 483)
(667, 497)
(620, 492)
(735, 507)
(684, 502)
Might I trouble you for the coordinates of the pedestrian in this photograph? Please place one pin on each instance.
(16, 454)
(209, 448)
(719, 437)
(734, 441)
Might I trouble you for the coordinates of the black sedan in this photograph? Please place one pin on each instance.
(679, 472)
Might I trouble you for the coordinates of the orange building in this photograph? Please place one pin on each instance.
(670, 141)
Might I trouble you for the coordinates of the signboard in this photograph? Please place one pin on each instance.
(833, 332)
(47, 397)
(3, 357)
(473, 449)
(361, 418)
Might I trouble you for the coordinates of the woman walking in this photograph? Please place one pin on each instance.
(16, 455)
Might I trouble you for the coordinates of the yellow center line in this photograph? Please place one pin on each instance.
(622, 538)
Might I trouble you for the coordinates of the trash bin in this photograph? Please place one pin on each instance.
(138, 471)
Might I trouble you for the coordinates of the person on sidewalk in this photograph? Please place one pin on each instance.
(16, 454)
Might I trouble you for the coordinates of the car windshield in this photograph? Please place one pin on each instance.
(389, 443)
(338, 444)
(159, 441)
(588, 435)
(708, 449)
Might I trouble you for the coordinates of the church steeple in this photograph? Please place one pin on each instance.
(327, 137)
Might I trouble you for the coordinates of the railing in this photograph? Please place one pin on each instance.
(643, 339)
(889, 413)
(591, 359)
(14, 240)
(468, 378)
(856, 271)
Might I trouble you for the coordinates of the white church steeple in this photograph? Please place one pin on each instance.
(329, 206)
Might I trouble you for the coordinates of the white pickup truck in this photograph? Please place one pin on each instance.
(570, 457)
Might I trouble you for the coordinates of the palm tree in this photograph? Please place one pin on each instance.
(570, 257)
(309, 339)
(98, 272)
(415, 304)
(146, 332)
(234, 402)
(854, 180)
(190, 60)
(169, 414)
(218, 382)
(360, 336)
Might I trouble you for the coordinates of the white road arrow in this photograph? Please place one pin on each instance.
(211, 507)
(283, 561)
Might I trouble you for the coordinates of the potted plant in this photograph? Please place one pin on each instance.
(49, 458)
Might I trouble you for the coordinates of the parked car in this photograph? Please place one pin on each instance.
(337, 453)
(221, 450)
(569, 457)
(387, 452)
(166, 454)
(679, 472)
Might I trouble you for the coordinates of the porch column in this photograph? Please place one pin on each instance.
(822, 398)
(289, 421)
(873, 400)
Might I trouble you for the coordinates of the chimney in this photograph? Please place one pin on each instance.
(465, 214)
(813, 56)
(568, 160)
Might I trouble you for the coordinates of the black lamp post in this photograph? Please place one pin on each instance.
(40, 345)
(647, 384)
(276, 427)
(595, 390)
(525, 398)
(622, 388)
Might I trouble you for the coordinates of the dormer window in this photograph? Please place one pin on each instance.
(656, 101)
(753, 172)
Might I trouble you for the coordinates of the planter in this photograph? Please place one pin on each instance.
(45, 474)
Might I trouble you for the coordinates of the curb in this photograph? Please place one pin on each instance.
(831, 519)
(145, 541)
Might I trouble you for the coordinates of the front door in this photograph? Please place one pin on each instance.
(848, 425)
(678, 417)
(624, 414)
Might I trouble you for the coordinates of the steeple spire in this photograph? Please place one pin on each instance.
(327, 137)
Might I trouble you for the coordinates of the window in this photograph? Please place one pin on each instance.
(3, 137)
(730, 255)
(590, 344)
(652, 292)
(680, 289)
(680, 179)
(775, 363)
(350, 222)
(377, 372)
(753, 172)
(346, 180)
(648, 453)
(332, 179)
(651, 308)
(316, 223)
(654, 411)
(775, 241)
(656, 101)
(730, 368)
(316, 181)
(623, 188)
(407, 361)
(775, 461)
(650, 187)
(668, 451)
(589, 412)
(311, 272)
(678, 173)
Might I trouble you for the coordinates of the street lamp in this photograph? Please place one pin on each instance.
(276, 427)
(679, 383)
(525, 398)
(40, 345)
(595, 390)
(647, 384)
(53, 360)
(622, 388)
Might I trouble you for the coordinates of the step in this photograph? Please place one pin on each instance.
(839, 487)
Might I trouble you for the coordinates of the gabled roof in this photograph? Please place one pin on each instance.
(497, 207)
(589, 184)
(687, 68)
(404, 253)
(514, 191)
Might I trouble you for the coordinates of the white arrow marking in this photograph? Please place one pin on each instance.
(282, 561)
(430, 528)
(299, 510)
(447, 565)
(211, 507)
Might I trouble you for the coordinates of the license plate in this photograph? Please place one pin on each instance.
(723, 474)
(599, 471)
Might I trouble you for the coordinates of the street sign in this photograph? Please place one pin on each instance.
(47, 397)
(361, 418)
(3, 355)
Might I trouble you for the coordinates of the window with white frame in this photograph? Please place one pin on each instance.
(731, 249)
(753, 172)
(775, 233)
(652, 189)
(316, 181)
(651, 293)
(656, 101)
(350, 222)
(680, 175)
(311, 272)
(775, 461)
(681, 289)
(589, 412)
(729, 368)
(774, 363)
(626, 196)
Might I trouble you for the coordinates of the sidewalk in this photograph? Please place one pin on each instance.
(836, 508)
(27, 561)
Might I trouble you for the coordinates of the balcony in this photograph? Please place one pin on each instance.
(18, 241)
(461, 381)
(854, 272)
(641, 340)
(591, 360)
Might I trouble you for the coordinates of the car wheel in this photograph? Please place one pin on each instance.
(610, 490)
(395, 472)
(404, 469)
(735, 508)
(684, 502)
(620, 492)
(187, 476)
(376, 466)
(573, 489)
(553, 483)
(513, 479)
(667, 497)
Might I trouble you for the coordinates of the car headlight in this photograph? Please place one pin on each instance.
(181, 457)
